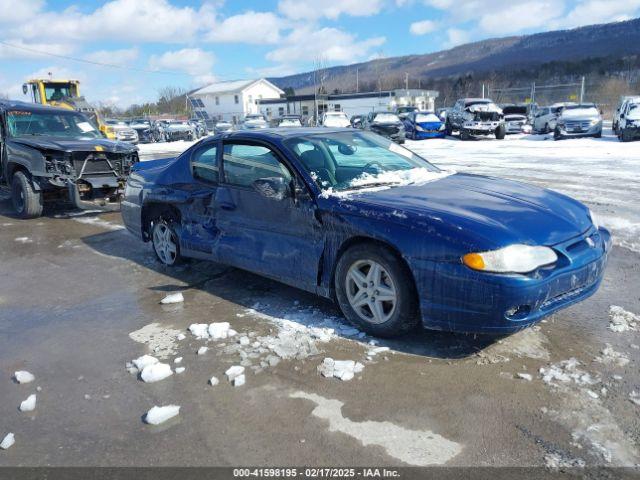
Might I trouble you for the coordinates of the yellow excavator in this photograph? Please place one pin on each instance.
(65, 94)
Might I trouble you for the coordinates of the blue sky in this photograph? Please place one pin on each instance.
(189, 43)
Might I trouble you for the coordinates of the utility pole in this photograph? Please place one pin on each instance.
(582, 90)
(483, 90)
(406, 80)
(357, 86)
(533, 92)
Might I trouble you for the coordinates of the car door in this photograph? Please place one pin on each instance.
(199, 229)
(264, 227)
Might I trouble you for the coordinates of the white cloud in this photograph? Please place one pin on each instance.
(588, 12)
(313, 9)
(124, 56)
(331, 44)
(423, 27)
(194, 61)
(19, 11)
(248, 27)
(126, 20)
(520, 16)
(456, 36)
(29, 51)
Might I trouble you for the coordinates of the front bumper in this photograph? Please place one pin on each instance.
(480, 128)
(591, 131)
(456, 298)
(631, 132)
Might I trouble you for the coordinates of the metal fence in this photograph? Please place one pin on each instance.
(540, 94)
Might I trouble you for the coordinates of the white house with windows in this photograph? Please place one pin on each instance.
(232, 100)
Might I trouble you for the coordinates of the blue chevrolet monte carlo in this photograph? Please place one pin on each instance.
(351, 216)
(421, 125)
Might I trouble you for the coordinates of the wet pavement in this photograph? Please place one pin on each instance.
(73, 289)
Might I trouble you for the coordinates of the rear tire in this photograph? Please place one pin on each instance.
(26, 201)
(165, 242)
(464, 135)
(501, 132)
(447, 128)
(624, 137)
(556, 134)
(367, 270)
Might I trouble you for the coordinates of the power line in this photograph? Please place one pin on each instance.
(91, 62)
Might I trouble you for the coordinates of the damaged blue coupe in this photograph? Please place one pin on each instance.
(351, 216)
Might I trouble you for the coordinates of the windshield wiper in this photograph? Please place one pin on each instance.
(372, 184)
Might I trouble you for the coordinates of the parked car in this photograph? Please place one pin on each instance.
(254, 121)
(52, 154)
(403, 111)
(121, 130)
(222, 126)
(356, 121)
(442, 113)
(545, 118)
(627, 125)
(351, 216)
(179, 130)
(335, 120)
(199, 127)
(582, 120)
(143, 129)
(616, 115)
(419, 125)
(515, 119)
(475, 116)
(290, 121)
(386, 124)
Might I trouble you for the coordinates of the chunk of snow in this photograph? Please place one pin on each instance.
(8, 441)
(610, 356)
(181, 336)
(620, 320)
(213, 381)
(244, 340)
(233, 372)
(180, 369)
(239, 380)
(218, 330)
(591, 393)
(158, 415)
(525, 376)
(377, 350)
(144, 361)
(199, 330)
(566, 371)
(635, 397)
(342, 369)
(231, 333)
(156, 372)
(177, 360)
(23, 240)
(29, 404)
(22, 376)
(172, 298)
(202, 350)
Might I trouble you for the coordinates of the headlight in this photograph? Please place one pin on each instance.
(419, 128)
(511, 259)
(594, 121)
(594, 220)
(442, 127)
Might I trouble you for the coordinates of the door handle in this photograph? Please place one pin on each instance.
(227, 206)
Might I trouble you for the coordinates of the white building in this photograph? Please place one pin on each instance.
(232, 100)
(351, 103)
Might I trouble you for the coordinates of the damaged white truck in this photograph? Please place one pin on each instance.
(474, 117)
(52, 154)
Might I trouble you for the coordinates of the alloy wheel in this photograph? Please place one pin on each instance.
(165, 244)
(371, 291)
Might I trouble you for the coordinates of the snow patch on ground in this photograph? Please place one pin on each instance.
(22, 376)
(529, 343)
(98, 222)
(345, 370)
(23, 240)
(156, 372)
(620, 320)
(160, 340)
(415, 447)
(8, 441)
(609, 356)
(29, 404)
(566, 371)
(172, 298)
(158, 415)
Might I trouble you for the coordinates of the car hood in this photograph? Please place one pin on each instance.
(179, 128)
(66, 144)
(579, 114)
(492, 211)
(513, 117)
(634, 114)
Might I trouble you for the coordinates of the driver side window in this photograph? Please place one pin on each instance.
(243, 164)
(204, 164)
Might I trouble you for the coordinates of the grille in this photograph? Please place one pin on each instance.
(577, 125)
(96, 164)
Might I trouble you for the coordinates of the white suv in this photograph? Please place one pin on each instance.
(545, 118)
(628, 124)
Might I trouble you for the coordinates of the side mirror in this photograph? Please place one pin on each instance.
(345, 149)
(275, 188)
(25, 89)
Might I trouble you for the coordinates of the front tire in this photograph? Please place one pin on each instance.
(464, 134)
(556, 134)
(26, 201)
(375, 291)
(501, 132)
(165, 242)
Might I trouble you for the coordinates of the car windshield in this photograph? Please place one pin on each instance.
(355, 160)
(290, 122)
(60, 124)
(253, 117)
(426, 117)
(386, 118)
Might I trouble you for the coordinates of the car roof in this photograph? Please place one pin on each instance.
(272, 133)
(32, 107)
(467, 101)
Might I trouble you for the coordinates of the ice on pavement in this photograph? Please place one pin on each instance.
(181, 336)
(635, 397)
(202, 350)
(525, 376)
(22, 376)
(342, 369)
(144, 361)
(29, 404)
(610, 356)
(155, 372)
(177, 360)
(180, 370)
(8, 441)
(566, 371)
(239, 380)
(159, 339)
(234, 371)
(172, 298)
(158, 415)
(219, 330)
(213, 381)
(199, 330)
(620, 320)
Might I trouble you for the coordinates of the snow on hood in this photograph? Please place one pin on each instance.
(580, 113)
(483, 107)
(634, 114)
(515, 116)
(371, 182)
